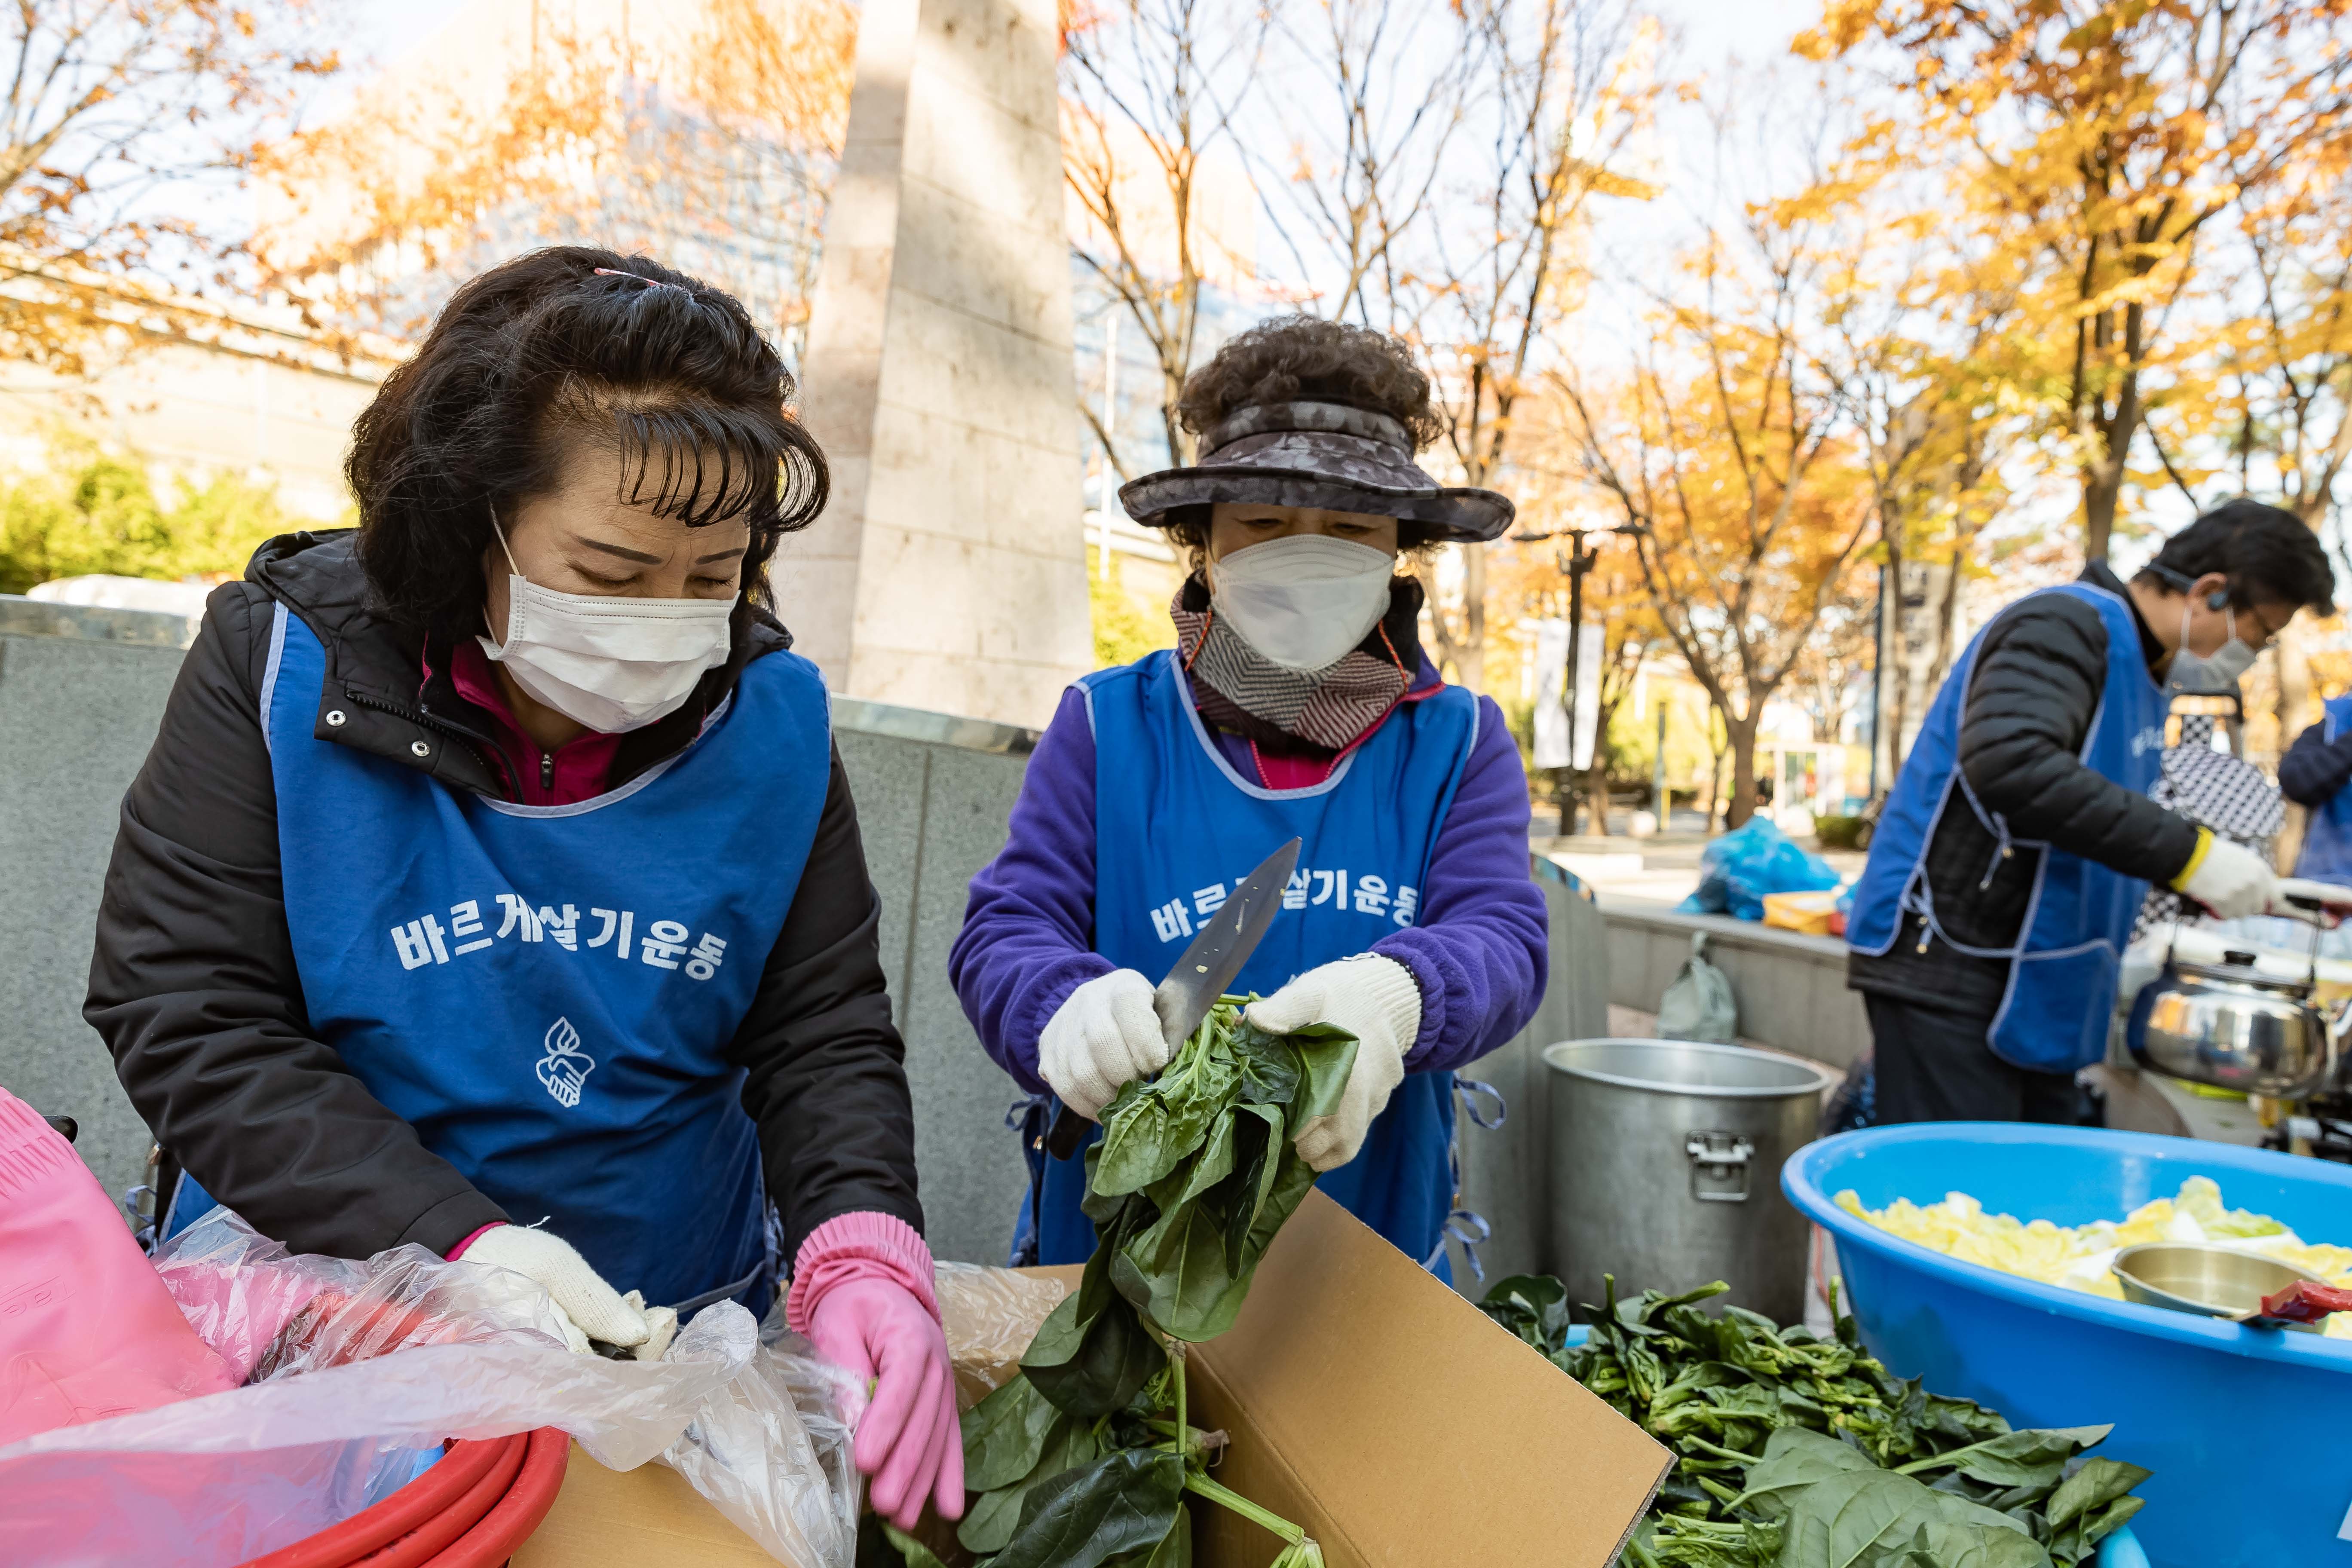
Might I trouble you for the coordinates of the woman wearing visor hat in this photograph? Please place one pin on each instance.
(1297, 703)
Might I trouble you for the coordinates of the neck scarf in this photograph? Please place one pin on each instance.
(1289, 711)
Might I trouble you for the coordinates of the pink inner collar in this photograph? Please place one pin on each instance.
(1306, 773)
(573, 771)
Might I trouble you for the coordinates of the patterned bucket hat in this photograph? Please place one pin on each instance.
(1323, 455)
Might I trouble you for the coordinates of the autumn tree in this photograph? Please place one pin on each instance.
(1901, 348)
(1569, 84)
(1728, 458)
(1442, 167)
(1372, 97)
(1149, 89)
(1528, 582)
(2093, 146)
(127, 121)
(711, 144)
(1837, 657)
(2281, 411)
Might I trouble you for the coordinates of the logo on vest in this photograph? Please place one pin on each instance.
(565, 1067)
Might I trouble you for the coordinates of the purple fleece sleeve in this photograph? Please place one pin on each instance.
(1481, 950)
(1028, 929)
(1478, 953)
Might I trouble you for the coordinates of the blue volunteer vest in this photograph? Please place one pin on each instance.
(1177, 829)
(2327, 840)
(2063, 971)
(546, 994)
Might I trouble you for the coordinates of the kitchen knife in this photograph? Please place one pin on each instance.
(1201, 975)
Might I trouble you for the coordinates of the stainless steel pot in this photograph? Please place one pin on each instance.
(2231, 1026)
(1666, 1168)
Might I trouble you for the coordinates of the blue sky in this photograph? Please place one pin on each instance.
(387, 27)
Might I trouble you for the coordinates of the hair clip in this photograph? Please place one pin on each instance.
(648, 282)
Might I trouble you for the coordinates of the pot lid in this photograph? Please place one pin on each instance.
(2237, 969)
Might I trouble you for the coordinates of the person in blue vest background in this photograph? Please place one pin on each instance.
(1297, 703)
(2316, 774)
(493, 884)
(2018, 843)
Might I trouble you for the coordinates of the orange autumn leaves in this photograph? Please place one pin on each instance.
(709, 135)
(2098, 155)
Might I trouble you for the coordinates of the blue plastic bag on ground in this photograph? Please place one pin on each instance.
(1751, 860)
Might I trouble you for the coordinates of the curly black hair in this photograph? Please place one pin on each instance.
(569, 346)
(1308, 359)
(2268, 554)
(1305, 358)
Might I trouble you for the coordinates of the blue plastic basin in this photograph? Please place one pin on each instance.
(2245, 1428)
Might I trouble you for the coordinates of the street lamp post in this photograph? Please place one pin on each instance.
(1575, 562)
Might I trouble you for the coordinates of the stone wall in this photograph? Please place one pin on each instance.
(1504, 1178)
(80, 693)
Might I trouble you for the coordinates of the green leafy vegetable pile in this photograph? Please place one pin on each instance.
(1798, 1452)
(1077, 1460)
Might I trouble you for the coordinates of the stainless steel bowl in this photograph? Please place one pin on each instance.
(2197, 1276)
(2230, 1025)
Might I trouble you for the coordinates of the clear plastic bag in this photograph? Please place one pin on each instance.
(991, 1315)
(353, 1368)
(771, 1452)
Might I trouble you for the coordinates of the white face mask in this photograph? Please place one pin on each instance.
(2212, 674)
(1305, 602)
(612, 664)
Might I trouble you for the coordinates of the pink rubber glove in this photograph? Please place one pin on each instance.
(862, 1293)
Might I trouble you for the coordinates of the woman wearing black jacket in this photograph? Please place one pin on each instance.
(2019, 839)
(492, 885)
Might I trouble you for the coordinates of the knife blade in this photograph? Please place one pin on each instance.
(1200, 976)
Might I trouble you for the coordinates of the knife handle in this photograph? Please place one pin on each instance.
(1068, 1134)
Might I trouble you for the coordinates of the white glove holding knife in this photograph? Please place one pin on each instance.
(1104, 1034)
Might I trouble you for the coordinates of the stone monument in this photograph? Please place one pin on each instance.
(949, 572)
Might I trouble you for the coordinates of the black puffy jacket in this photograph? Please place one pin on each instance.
(2032, 693)
(194, 989)
(2316, 769)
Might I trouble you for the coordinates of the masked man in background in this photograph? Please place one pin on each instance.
(2020, 840)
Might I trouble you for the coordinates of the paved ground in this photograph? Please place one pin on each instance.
(1663, 867)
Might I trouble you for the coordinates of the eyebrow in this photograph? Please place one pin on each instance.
(643, 559)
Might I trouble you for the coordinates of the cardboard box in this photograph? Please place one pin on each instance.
(1364, 1400)
(644, 1518)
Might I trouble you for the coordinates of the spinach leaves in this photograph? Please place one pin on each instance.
(1797, 1452)
(1084, 1459)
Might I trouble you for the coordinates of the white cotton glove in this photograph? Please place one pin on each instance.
(590, 1309)
(1374, 999)
(1103, 1035)
(661, 1327)
(2231, 882)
